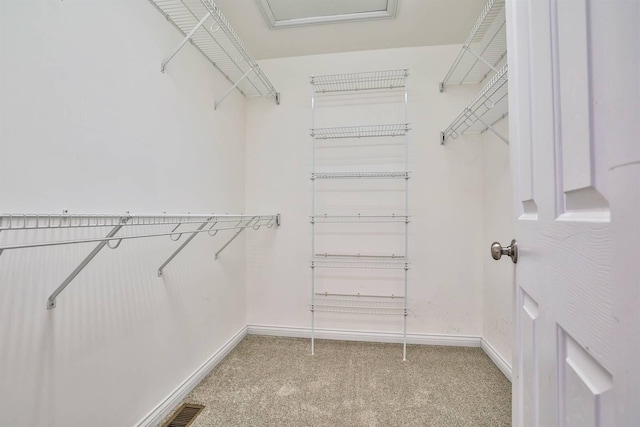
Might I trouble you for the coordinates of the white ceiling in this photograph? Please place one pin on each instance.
(417, 23)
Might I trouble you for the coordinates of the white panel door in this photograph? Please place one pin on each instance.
(565, 301)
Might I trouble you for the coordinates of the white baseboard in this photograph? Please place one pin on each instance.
(345, 335)
(496, 358)
(170, 402)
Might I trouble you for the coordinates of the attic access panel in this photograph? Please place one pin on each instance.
(295, 13)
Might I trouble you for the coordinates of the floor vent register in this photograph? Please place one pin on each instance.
(184, 416)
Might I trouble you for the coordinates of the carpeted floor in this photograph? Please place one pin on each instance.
(270, 381)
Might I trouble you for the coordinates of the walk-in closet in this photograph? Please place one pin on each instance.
(287, 213)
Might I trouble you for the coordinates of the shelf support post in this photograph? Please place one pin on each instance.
(218, 102)
(186, 39)
(182, 246)
(51, 302)
(479, 58)
(488, 126)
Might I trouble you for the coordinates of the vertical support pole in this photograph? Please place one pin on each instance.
(186, 39)
(406, 221)
(51, 301)
(313, 213)
(182, 246)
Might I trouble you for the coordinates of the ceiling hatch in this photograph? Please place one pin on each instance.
(296, 13)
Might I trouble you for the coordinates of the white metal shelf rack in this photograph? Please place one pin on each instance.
(205, 27)
(487, 108)
(354, 83)
(484, 49)
(175, 226)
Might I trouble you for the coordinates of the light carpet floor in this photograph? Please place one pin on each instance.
(271, 381)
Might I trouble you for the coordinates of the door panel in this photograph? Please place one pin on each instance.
(528, 368)
(584, 386)
(563, 276)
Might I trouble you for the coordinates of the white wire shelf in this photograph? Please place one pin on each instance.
(484, 111)
(374, 263)
(363, 257)
(354, 82)
(27, 221)
(483, 50)
(359, 304)
(372, 131)
(358, 218)
(360, 175)
(208, 30)
(208, 223)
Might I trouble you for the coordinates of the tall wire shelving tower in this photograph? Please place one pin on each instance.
(349, 89)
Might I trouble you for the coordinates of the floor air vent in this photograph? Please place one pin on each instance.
(184, 416)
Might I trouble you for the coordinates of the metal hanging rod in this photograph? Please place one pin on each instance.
(484, 49)
(358, 218)
(209, 223)
(354, 82)
(205, 27)
(365, 175)
(360, 131)
(488, 107)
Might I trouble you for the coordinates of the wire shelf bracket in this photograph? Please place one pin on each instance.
(25, 222)
(219, 43)
(51, 301)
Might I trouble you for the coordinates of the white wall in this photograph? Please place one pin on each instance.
(446, 197)
(89, 124)
(499, 276)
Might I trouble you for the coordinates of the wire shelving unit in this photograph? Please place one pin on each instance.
(484, 49)
(354, 84)
(487, 108)
(173, 226)
(206, 28)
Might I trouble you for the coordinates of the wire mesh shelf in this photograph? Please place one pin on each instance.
(359, 304)
(391, 79)
(362, 263)
(373, 131)
(205, 26)
(486, 109)
(484, 48)
(25, 221)
(358, 218)
(362, 175)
